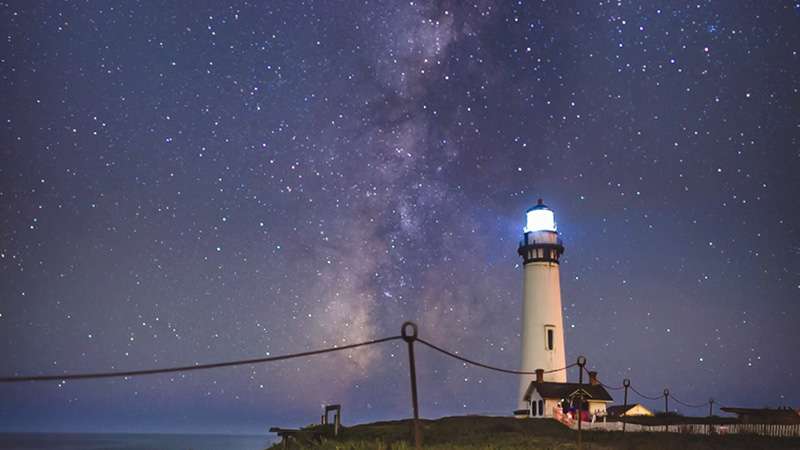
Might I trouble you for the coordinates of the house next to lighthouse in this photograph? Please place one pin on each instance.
(545, 389)
(544, 397)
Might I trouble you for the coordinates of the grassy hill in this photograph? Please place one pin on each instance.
(479, 432)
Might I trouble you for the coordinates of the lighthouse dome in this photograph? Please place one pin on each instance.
(539, 218)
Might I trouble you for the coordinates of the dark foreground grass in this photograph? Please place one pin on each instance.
(479, 432)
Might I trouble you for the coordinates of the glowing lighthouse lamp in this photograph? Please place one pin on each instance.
(542, 319)
(539, 218)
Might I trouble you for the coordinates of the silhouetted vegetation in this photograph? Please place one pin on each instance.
(479, 432)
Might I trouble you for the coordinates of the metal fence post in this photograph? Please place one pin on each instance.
(710, 413)
(666, 409)
(581, 363)
(626, 383)
(410, 338)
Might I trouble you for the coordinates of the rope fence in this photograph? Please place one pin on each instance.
(134, 373)
(667, 393)
(645, 396)
(243, 362)
(613, 388)
(688, 405)
(486, 366)
(409, 334)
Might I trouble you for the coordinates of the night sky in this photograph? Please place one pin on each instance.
(194, 182)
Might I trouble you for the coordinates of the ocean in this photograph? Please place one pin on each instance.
(113, 441)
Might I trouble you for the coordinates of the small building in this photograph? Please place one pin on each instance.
(634, 409)
(543, 398)
(785, 416)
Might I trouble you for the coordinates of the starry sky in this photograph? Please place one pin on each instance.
(191, 182)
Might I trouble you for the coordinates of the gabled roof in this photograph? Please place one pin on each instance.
(618, 410)
(765, 415)
(549, 389)
(762, 411)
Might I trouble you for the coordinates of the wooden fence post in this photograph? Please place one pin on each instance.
(626, 384)
(410, 338)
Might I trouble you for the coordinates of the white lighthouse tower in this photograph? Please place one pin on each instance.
(542, 320)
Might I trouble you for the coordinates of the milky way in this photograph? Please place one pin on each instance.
(197, 182)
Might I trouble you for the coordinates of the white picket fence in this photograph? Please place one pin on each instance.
(737, 428)
(763, 429)
(696, 428)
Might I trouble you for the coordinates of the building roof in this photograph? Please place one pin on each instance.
(765, 415)
(549, 389)
(618, 410)
(539, 205)
(762, 411)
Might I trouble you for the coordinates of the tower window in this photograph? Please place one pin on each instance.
(541, 407)
(549, 337)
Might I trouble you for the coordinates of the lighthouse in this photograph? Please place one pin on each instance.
(542, 320)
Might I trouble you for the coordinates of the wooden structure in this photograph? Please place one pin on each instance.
(761, 429)
(337, 417)
(542, 397)
(286, 434)
(784, 416)
(635, 409)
